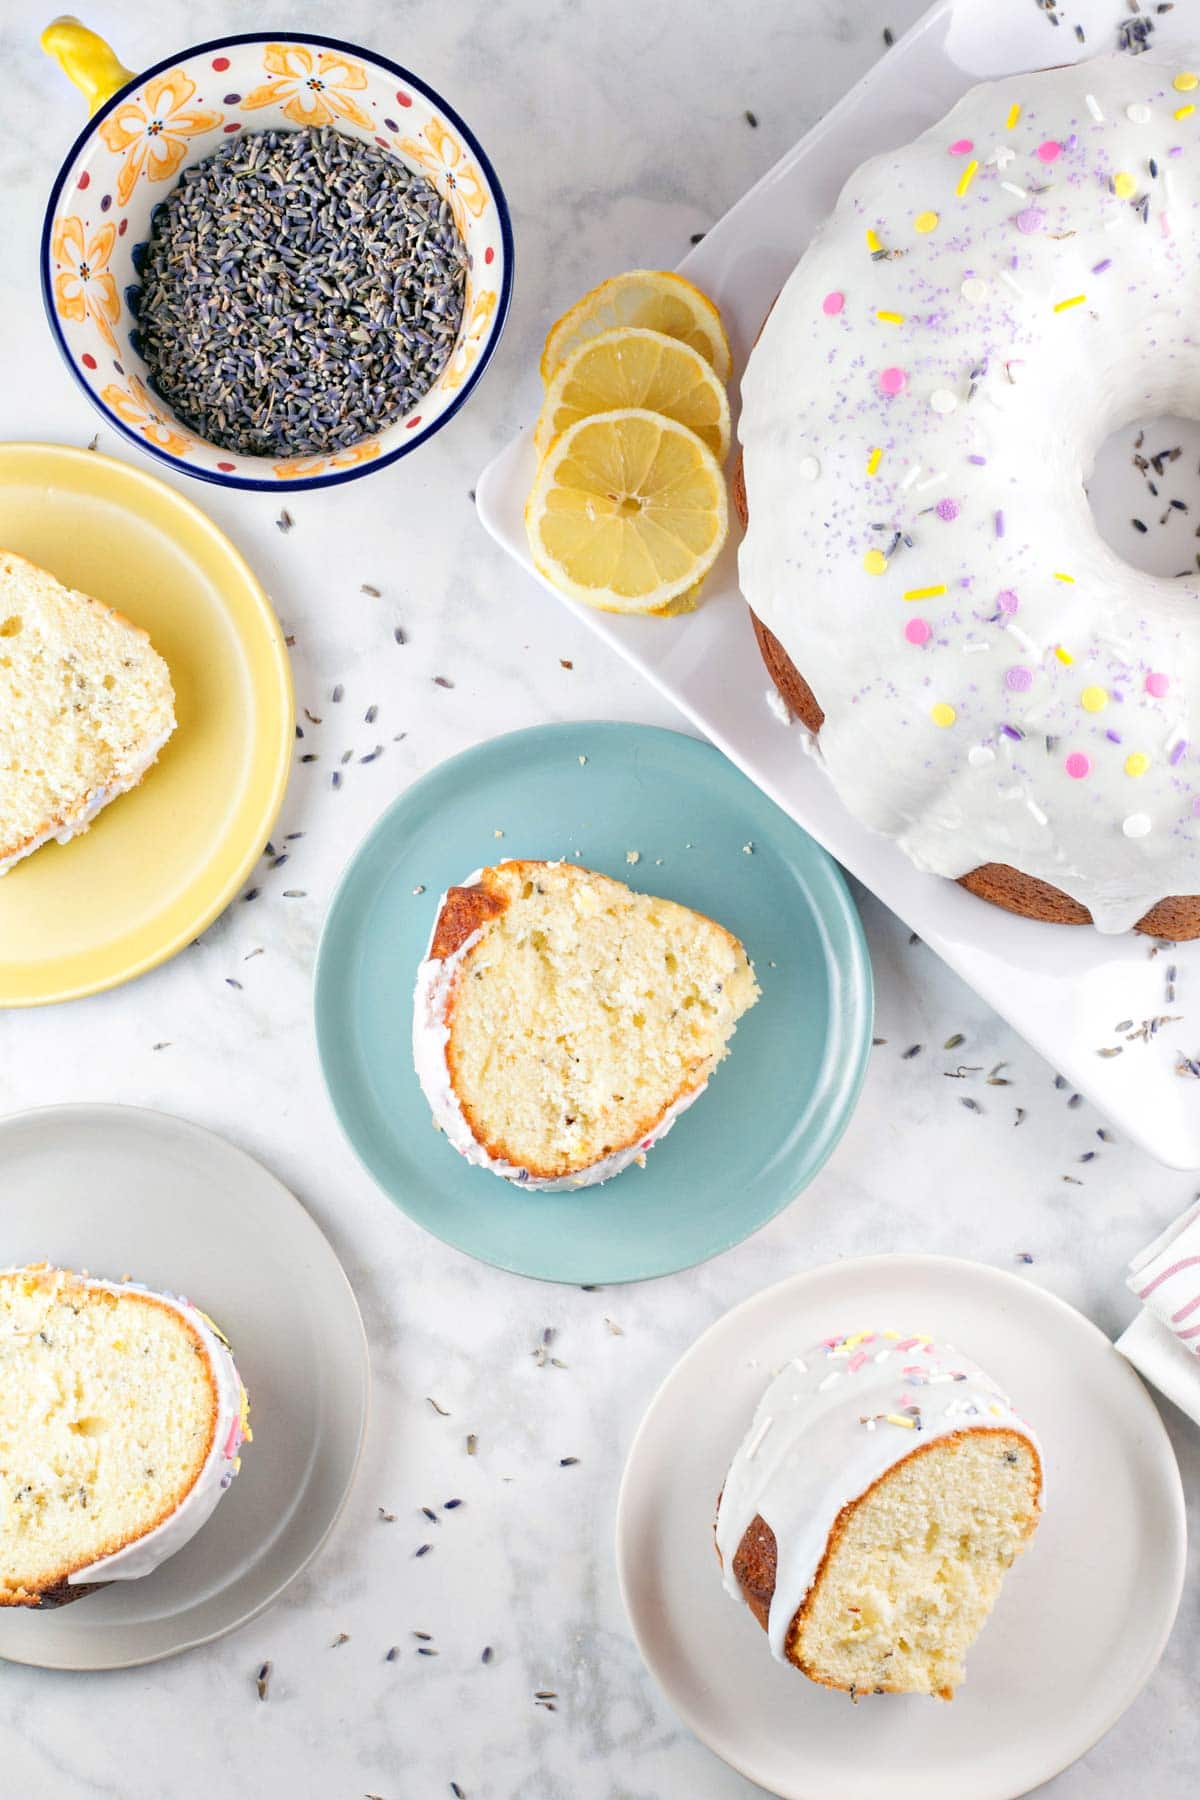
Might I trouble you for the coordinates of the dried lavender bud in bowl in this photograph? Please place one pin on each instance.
(301, 290)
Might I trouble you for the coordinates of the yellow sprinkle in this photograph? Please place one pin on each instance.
(874, 460)
(1014, 113)
(1137, 763)
(967, 177)
(873, 242)
(926, 221)
(941, 714)
(875, 562)
(890, 1334)
(890, 318)
(899, 1419)
(1075, 300)
(1094, 699)
(1185, 82)
(852, 1343)
(1059, 576)
(1124, 184)
(929, 593)
(1184, 112)
(1064, 656)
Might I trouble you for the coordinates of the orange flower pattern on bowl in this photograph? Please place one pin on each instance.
(153, 128)
(84, 287)
(311, 90)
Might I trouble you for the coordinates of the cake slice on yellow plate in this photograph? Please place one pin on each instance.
(86, 705)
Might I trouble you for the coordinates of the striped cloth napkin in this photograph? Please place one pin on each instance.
(1164, 1340)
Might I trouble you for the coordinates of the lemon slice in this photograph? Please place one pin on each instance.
(653, 298)
(628, 511)
(635, 367)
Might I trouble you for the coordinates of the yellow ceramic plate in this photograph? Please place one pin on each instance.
(160, 863)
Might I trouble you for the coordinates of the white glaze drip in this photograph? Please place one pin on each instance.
(1036, 392)
(821, 1437)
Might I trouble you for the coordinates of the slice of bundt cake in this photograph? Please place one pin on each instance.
(868, 1519)
(86, 705)
(121, 1417)
(562, 1022)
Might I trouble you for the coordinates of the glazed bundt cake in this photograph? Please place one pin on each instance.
(990, 684)
(870, 1514)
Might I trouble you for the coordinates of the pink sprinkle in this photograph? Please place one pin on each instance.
(233, 1440)
(947, 509)
(906, 1343)
(1078, 766)
(1030, 219)
(856, 1361)
(1019, 678)
(918, 632)
(1196, 807)
(999, 524)
(1050, 151)
(962, 147)
(893, 381)
(1157, 684)
(1007, 601)
(833, 303)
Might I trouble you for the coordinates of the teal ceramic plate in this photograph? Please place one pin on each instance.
(706, 837)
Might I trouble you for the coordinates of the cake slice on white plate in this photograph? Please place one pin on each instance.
(883, 1490)
(86, 704)
(563, 1022)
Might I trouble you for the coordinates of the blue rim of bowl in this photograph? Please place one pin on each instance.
(219, 477)
(837, 1118)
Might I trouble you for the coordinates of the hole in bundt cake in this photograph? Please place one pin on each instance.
(1144, 495)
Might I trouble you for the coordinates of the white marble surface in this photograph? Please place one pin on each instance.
(618, 131)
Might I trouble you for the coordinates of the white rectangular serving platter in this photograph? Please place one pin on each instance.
(1064, 988)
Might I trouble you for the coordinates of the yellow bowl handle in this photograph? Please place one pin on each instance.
(86, 60)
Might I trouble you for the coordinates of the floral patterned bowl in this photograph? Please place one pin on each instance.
(146, 128)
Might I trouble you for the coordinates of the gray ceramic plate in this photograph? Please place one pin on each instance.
(120, 1191)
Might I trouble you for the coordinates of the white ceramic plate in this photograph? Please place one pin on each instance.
(1082, 1619)
(1063, 989)
(119, 1191)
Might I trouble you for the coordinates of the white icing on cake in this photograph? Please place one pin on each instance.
(431, 1033)
(830, 1424)
(77, 822)
(1041, 280)
(220, 1465)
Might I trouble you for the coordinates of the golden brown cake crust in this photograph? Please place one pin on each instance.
(756, 1558)
(56, 1590)
(1177, 917)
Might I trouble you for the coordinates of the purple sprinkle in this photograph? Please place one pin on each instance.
(1007, 601)
(947, 509)
(391, 124)
(1012, 732)
(105, 203)
(232, 99)
(1178, 753)
(1196, 807)
(999, 524)
(1099, 268)
(1175, 150)
(1019, 678)
(1030, 219)
(979, 461)
(1114, 737)
(1071, 142)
